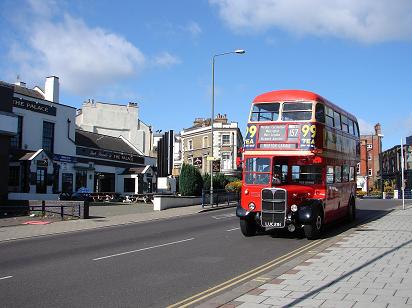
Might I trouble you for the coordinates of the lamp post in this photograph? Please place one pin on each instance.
(237, 51)
(380, 136)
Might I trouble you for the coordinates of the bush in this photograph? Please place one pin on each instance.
(235, 186)
(219, 181)
(190, 181)
(360, 193)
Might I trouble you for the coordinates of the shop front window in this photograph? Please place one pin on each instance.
(81, 179)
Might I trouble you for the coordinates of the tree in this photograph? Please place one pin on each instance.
(190, 181)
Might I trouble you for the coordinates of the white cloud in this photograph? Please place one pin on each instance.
(84, 58)
(193, 28)
(366, 128)
(362, 20)
(165, 59)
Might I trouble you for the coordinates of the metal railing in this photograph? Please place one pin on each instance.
(220, 197)
(74, 209)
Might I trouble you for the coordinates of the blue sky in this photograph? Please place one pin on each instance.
(358, 54)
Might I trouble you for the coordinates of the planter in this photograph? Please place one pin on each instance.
(162, 202)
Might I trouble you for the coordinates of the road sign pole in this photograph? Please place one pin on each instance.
(402, 172)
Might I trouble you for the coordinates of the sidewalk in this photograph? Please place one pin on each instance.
(26, 231)
(370, 266)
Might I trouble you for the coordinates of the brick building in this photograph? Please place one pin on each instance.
(227, 139)
(368, 170)
(391, 166)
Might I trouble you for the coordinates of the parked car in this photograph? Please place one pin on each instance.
(83, 194)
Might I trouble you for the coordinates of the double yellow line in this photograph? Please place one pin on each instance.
(245, 276)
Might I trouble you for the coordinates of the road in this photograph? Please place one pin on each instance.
(152, 264)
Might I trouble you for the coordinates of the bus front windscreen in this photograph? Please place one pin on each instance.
(257, 170)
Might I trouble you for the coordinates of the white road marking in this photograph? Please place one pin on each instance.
(142, 249)
(6, 277)
(223, 216)
(233, 229)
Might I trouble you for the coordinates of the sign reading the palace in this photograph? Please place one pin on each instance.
(34, 106)
(105, 154)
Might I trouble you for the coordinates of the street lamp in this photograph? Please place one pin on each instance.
(237, 51)
(380, 136)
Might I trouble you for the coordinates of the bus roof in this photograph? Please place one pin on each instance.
(293, 95)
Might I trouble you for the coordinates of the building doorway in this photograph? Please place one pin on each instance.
(104, 182)
(41, 180)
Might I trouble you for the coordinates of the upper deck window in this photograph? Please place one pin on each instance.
(265, 112)
(299, 111)
(320, 113)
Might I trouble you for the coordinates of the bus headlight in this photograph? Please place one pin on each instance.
(252, 206)
(293, 207)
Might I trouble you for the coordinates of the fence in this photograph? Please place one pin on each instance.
(220, 197)
(408, 193)
(72, 209)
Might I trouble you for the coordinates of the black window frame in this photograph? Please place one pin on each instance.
(320, 114)
(48, 127)
(16, 140)
(14, 176)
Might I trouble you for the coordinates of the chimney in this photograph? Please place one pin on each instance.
(51, 89)
(378, 130)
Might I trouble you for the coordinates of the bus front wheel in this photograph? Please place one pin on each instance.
(314, 229)
(248, 226)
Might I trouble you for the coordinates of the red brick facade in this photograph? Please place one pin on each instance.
(371, 148)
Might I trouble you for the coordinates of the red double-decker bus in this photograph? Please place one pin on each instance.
(299, 163)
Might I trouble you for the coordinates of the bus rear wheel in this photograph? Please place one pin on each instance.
(314, 229)
(248, 226)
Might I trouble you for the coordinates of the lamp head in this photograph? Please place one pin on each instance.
(240, 51)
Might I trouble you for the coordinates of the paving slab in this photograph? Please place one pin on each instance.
(372, 266)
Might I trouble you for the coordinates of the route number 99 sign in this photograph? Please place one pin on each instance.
(250, 139)
(307, 136)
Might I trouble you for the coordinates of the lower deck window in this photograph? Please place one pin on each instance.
(309, 174)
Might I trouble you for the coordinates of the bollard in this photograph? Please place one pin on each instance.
(86, 210)
(61, 211)
(43, 208)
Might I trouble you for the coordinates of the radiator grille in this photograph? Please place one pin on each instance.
(273, 207)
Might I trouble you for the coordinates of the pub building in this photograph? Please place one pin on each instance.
(44, 157)
(111, 164)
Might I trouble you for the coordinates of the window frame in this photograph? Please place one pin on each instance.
(46, 138)
(222, 138)
(256, 112)
(338, 174)
(283, 112)
(330, 171)
(16, 141)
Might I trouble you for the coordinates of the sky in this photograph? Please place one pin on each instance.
(357, 54)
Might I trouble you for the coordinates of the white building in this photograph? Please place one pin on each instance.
(116, 120)
(43, 144)
(227, 140)
(48, 155)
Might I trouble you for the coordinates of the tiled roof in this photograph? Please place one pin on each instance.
(103, 142)
(23, 90)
